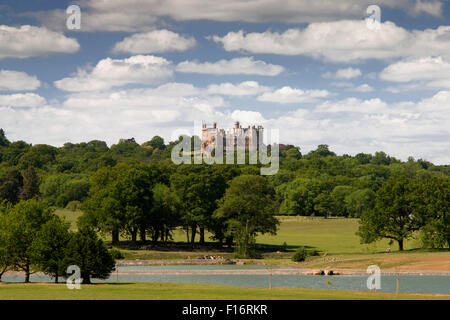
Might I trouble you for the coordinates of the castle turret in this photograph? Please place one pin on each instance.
(231, 139)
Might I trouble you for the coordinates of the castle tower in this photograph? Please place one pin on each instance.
(249, 135)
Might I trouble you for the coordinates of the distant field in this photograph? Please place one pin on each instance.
(326, 235)
(70, 216)
(175, 291)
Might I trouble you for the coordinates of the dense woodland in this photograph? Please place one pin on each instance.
(134, 190)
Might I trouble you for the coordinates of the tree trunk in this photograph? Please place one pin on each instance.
(56, 278)
(133, 236)
(400, 245)
(115, 237)
(246, 239)
(142, 235)
(2, 272)
(193, 232)
(27, 273)
(155, 237)
(86, 278)
(202, 235)
(229, 241)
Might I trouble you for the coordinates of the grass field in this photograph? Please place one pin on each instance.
(335, 239)
(70, 216)
(176, 291)
(325, 235)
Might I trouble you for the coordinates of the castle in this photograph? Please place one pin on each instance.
(234, 139)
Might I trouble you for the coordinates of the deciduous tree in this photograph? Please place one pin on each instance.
(393, 216)
(249, 208)
(90, 254)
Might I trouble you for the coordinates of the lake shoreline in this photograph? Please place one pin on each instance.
(269, 269)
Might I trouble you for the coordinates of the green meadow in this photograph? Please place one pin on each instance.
(335, 240)
(331, 236)
(177, 291)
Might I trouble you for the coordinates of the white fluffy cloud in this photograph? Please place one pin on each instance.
(347, 73)
(110, 73)
(342, 41)
(371, 106)
(29, 41)
(287, 95)
(111, 115)
(156, 41)
(245, 65)
(17, 81)
(363, 88)
(21, 100)
(434, 71)
(138, 15)
(247, 117)
(169, 95)
(420, 129)
(245, 88)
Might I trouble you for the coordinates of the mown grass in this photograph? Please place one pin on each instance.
(70, 216)
(325, 235)
(334, 239)
(177, 291)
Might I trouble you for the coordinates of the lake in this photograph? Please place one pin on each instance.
(407, 283)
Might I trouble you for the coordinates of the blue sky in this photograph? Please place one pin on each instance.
(317, 74)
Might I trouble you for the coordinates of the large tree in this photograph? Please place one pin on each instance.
(324, 205)
(359, 201)
(433, 204)
(4, 142)
(22, 225)
(10, 186)
(6, 258)
(165, 214)
(121, 199)
(156, 143)
(48, 247)
(90, 254)
(394, 215)
(198, 188)
(30, 187)
(249, 208)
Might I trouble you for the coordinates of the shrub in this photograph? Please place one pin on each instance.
(116, 253)
(300, 255)
(251, 254)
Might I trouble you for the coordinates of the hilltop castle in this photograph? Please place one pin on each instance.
(234, 139)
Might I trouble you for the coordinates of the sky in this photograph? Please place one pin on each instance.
(319, 72)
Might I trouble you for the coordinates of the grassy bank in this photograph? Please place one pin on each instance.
(175, 291)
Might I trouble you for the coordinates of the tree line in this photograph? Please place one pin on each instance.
(33, 238)
(136, 191)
